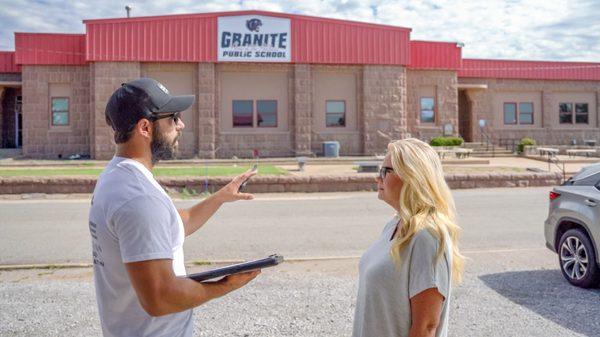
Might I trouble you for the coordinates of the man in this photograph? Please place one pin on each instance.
(137, 233)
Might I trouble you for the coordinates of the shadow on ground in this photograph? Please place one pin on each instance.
(549, 295)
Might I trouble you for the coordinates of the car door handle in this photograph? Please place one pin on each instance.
(590, 202)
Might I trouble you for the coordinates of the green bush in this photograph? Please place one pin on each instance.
(446, 141)
(525, 142)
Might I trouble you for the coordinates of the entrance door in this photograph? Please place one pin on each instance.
(465, 116)
(19, 121)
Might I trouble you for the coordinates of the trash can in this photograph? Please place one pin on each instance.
(331, 149)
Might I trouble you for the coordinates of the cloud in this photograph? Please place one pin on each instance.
(533, 29)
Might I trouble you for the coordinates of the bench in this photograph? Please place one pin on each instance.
(548, 151)
(368, 166)
(463, 153)
(575, 152)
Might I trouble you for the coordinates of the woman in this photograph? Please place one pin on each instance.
(404, 284)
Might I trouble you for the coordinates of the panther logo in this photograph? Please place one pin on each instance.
(253, 25)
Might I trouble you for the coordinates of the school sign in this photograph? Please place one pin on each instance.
(254, 38)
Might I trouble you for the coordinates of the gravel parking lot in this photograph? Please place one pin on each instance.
(505, 293)
(512, 285)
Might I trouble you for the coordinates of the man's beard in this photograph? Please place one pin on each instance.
(160, 147)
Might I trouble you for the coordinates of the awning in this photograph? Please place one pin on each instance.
(473, 86)
(10, 84)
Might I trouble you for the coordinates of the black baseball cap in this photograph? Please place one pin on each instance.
(142, 98)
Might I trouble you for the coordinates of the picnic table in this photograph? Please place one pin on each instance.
(368, 166)
(463, 153)
(575, 152)
(548, 151)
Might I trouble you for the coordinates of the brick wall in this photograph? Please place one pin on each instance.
(106, 77)
(484, 105)
(40, 138)
(383, 106)
(443, 85)
(303, 100)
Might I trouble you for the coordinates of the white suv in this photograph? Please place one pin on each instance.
(573, 227)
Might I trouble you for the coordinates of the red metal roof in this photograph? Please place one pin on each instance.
(193, 38)
(533, 70)
(7, 62)
(435, 55)
(48, 49)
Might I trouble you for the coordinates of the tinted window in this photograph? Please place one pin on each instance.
(427, 110)
(60, 111)
(510, 113)
(242, 113)
(335, 113)
(267, 113)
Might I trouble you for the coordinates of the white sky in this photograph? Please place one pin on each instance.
(523, 30)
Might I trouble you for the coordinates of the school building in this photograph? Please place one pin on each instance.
(283, 84)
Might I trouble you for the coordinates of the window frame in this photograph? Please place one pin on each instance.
(344, 113)
(68, 111)
(251, 114)
(516, 105)
(532, 114)
(575, 113)
(276, 113)
(560, 113)
(434, 109)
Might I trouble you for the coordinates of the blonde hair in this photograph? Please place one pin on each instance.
(425, 200)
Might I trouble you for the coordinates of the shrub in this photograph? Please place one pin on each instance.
(446, 141)
(525, 142)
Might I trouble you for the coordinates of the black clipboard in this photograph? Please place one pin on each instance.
(270, 261)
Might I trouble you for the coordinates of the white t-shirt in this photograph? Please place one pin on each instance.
(133, 219)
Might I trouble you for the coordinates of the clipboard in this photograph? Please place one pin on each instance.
(270, 261)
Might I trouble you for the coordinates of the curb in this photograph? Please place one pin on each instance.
(277, 184)
(11, 267)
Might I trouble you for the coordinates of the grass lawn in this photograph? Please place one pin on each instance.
(200, 171)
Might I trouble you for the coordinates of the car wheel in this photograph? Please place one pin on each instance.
(577, 259)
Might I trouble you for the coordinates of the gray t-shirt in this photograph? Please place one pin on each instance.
(133, 219)
(384, 290)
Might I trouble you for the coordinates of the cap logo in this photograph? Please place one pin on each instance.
(162, 87)
(253, 25)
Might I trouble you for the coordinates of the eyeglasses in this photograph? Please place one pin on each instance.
(383, 171)
(174, 115)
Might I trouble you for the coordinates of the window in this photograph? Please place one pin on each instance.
(60, 111)
(335, 114)
(427, 110)
(510, 113)
(526, 113)
(521, 116)
(266, 113)
(566, 113)
(243, 113)
(581, 113)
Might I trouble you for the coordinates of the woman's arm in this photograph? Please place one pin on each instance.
(426, 309)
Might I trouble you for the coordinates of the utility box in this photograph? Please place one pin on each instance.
(331, 149)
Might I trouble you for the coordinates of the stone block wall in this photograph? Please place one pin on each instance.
(303, 103)
(207, 108)
(549, 131)
(40, 138)
(106, 77)
(445, 90)
(383, 106)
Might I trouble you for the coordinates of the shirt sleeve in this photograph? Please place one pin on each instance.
(143, 229)
(425, 270)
